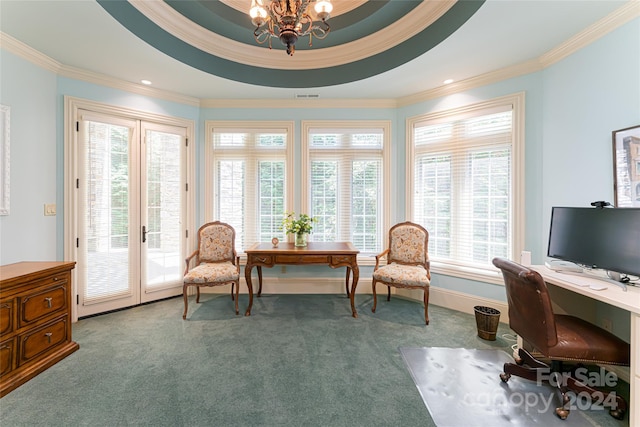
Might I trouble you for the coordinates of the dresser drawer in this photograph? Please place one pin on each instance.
(39, 341)
(42, 303)
(302, 259)
(7, 316)
(7, 356)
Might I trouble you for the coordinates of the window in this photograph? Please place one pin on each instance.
(247, 184)
(345, 181)
(466, 184)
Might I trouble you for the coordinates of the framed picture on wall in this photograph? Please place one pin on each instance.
(4, 159)
(626, 167)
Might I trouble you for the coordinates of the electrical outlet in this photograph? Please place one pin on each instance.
(50, 209)
(607, 325)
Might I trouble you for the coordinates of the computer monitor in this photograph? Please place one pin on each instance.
(603, 238)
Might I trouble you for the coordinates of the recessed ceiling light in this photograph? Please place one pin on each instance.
(145, 82)
(448, 81)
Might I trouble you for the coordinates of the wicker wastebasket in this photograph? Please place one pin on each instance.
(487, 320)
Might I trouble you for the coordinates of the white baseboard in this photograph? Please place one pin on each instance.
(458, 301)
(446, 298)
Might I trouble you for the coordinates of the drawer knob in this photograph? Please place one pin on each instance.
(48, 300)
(48, 335)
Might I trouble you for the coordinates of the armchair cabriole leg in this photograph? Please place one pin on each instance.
(375, 299)
(186, 301)
(237, 293)
(426, 305)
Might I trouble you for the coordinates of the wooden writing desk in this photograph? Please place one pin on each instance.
(333, 254)
(617, 297)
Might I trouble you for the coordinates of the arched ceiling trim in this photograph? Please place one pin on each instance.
(350, 66)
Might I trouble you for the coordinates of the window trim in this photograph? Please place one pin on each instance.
(250, 126)
(517, 102)
(305, 172)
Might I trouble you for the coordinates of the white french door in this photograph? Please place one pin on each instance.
(131, 209)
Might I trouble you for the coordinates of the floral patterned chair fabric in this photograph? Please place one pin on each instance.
(216, 243)
(216, 262)
(407, 262)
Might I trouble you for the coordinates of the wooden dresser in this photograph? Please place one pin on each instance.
(35, 319)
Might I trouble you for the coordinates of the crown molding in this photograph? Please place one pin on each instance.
(28, 53)
(104, 80)
(614, 20)
(298, 103)
(473, 82)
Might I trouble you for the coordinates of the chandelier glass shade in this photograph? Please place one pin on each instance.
(290, 19)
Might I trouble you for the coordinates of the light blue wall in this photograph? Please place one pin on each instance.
(587, 96)
(30, 92)
(571, 109)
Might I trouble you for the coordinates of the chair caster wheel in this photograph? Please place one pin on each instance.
(562, 413)
(618, 414)
(505, 377)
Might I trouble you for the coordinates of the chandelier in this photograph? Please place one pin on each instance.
(288, 20)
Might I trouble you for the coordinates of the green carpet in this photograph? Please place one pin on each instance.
(298, 360)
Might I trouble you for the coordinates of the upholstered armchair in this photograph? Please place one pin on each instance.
(216, 262)
(558, 338)
(407, 262)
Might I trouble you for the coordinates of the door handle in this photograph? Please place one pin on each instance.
(144, 234)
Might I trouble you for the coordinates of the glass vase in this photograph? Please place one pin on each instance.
(301, 239)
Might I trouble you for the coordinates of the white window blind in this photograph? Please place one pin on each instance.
(346, 191)
(105, 204)
(463, 182)
(249, 179)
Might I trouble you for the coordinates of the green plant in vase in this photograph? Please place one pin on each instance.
(299, 227)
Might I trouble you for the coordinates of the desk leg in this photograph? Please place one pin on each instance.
(634, 371)
(259, 280)
(356, 275)
(247, 276)
(346, 283)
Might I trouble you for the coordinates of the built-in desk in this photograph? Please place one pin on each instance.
(617, 297)
(333, 254)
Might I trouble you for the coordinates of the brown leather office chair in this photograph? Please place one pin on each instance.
(216, 262)
(557, 338)
(407, 262)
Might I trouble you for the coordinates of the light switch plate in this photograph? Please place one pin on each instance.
(50, 209)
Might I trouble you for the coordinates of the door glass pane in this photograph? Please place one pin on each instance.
(106, 200)
(163, 206)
